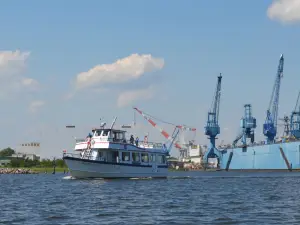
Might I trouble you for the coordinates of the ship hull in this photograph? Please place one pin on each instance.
(84, 169)
(280, 156)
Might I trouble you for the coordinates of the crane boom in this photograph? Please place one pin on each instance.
(270, 125)
(163, 132)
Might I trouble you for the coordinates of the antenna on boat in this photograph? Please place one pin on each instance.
(113, 123)
(134, 121)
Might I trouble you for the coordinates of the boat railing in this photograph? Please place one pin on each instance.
(151, 144)
(142, 144)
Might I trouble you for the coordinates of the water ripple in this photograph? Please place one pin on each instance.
(184, 198)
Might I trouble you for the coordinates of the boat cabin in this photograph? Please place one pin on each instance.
(110, 135)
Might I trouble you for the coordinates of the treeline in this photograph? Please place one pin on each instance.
(6, 152)
(45, 163)
(20, 162)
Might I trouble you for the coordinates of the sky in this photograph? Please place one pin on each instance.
(74, 62)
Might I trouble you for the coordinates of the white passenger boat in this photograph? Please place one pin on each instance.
(107, 154)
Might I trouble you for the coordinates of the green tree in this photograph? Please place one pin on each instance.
(6, 152)
(15, 162)
(60, 163)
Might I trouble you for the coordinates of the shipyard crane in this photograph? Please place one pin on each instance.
(270, 125)
(286, 124)
(295, 120)
(212, 128)
(248, 124)
(172, 137)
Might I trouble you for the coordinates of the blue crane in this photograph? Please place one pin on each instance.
(295, 120)
(212, 128)
(270, 125)
(248, 124)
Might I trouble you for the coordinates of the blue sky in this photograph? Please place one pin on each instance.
(170, 53)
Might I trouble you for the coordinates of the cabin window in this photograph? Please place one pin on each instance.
(125, 156)
(105, 133)
(135, 157)
(152, 158)
(145, 158)
(118, 136)
(161, 159)
(115, 156)
(100, 154)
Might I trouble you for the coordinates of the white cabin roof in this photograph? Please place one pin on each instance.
(98, 130)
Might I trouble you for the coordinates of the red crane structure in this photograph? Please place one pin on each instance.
(183, 148)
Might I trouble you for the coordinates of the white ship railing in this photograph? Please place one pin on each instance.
(142, 144)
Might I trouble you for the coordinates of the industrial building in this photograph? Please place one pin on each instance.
(31, 150)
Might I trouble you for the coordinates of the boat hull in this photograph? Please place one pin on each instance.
(280, 156)
(84, 168)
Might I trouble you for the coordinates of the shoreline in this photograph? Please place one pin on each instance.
(31, 170)
(236, 170)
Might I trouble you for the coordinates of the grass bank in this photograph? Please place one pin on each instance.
(48, 169)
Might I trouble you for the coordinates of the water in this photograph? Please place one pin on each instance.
(185, 198)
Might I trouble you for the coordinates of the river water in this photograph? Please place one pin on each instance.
(184, 198)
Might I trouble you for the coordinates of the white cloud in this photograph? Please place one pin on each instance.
(12, 64)
(286, 11)
(35, 106)
(128, 97)
(125, 69)
(12, 61)
(29, 82)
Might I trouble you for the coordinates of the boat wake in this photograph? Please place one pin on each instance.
(180, 177)
(141, 178)
(69, 178)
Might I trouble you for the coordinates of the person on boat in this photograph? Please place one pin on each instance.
(131, 139)
(146, 139)
(137, 141)
(88, 140)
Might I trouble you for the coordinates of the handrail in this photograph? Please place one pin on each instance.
(148, 143)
